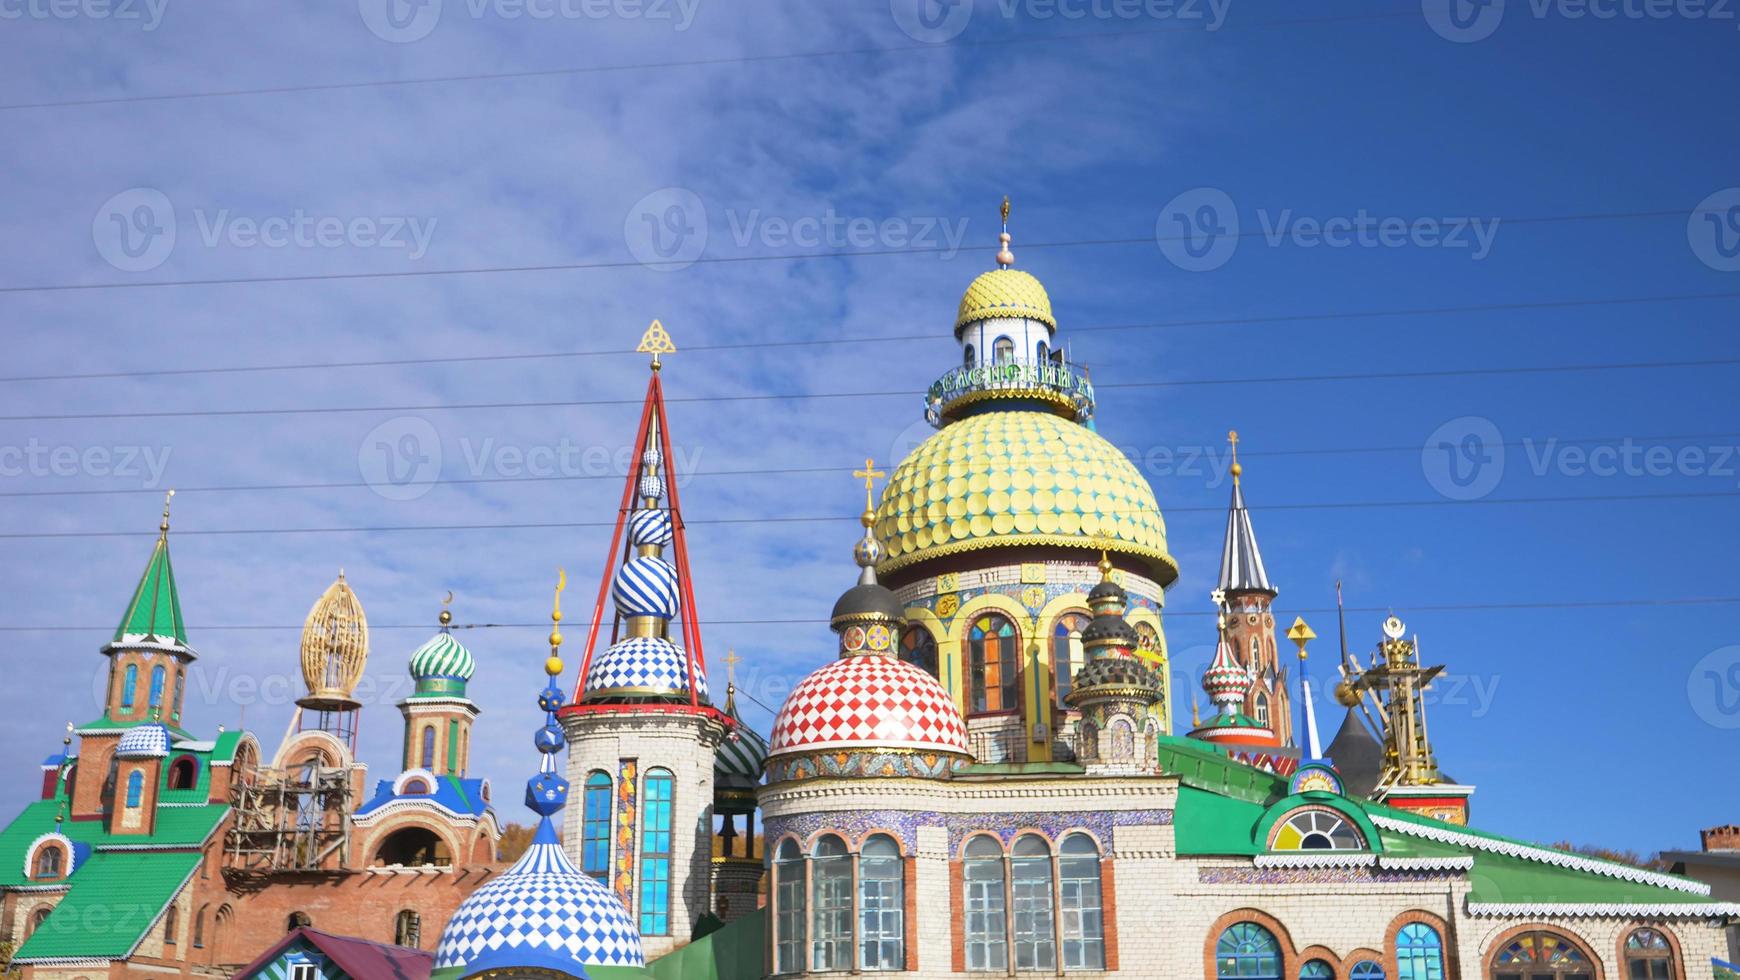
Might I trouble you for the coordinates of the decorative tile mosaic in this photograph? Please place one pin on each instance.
(1312, 876)
(627, 782)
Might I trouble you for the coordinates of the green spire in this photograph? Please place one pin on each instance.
(156, 607)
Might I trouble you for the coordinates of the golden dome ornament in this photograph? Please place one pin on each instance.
(553, 666)
(335, 648)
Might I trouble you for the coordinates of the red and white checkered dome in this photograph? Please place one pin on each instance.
(869, 702)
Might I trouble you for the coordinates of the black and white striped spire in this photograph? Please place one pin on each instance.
(1241, 564)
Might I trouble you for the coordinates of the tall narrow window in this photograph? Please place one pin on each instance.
(1648, 956)
(127, 685)
(135, 787)
(408, 929)
(1420, 953)
(1044, 352)
(655, 850)
(830, 905)
(453, 745)
(428, 755)
(199, 926)
(1247, 951)
(180, 690)
(157, 686)
(967, 356)
(1262, 709)
(918, 647)
(992, 653)
(788, 884)
(881, 906)
(48, 861)
(1066, 653)
(1002, 350)
(1082, 908)
(1030, 875)
(595, 827)
(987, 929)
(171, 919)
(37, 918)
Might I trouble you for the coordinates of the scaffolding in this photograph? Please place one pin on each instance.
(290, 820)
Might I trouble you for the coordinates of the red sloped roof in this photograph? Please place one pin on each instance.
(361, 958)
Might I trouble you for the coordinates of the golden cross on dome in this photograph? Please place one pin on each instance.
(655, 342)
(869, 475)
(731, 659)
(1232, 439)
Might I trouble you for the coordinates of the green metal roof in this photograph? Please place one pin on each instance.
(115, 898)
(156, 607)
(735, 951)
(177, 826)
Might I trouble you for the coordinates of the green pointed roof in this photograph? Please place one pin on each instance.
(156, 607)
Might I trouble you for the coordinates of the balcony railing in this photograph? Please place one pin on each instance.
(1055, 381)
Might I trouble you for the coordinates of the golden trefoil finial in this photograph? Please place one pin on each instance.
(1232, 439)
(869, 475)
(164, 527)
(1005, 258)
(655, 342)
(553, 666)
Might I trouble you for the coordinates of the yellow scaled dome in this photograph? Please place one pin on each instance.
(1015, 478)
(1004, 292)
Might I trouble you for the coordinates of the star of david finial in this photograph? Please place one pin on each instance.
(655, 342)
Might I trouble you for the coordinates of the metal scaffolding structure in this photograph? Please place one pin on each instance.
(290, 820)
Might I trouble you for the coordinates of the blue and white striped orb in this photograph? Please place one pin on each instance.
(542, 914)
(646, 586)
(651, 487)
(642, 666)
(442, 656)
(650, 527)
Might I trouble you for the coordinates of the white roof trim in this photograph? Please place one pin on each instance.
(1614, 910)
(63, 961)
(1528, 852)
(1344, 859)
(1462, 863)
(72, 856)
(413, 803)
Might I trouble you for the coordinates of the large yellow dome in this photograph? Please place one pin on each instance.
(1016, 478)
(1004, 292)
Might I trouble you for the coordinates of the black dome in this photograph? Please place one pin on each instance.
(1110, 628)
(1116, 672)
(1106, 590)
(868, 601)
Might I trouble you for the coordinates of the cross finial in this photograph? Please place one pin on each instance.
(655, 342)
(1232, 439)
(869, 475)
(164, 527)
(731, 659)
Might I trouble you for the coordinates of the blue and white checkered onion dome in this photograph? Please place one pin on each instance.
(540, 914)
(148, 741)
(442, 656)
(650, 527)
(646, 585)
(642, 666)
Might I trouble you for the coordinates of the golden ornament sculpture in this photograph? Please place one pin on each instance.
(335, 646)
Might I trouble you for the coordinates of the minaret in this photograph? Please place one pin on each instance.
(1250, 622)
(1114, 690)
(641, 723)
(438, 714)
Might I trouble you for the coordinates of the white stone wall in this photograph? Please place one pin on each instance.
(1026, 335)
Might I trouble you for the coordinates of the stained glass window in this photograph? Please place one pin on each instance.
(993, 650)
(1648, 956)
(1066, 652)
(655, 850)
(831, 905)
(918, 647)
(595, 827)
(1317, 830)
(1316, 970)
(1419, 953)
(1247, 951)
(987, 922)
(788, 876)
(1541, 955)
(881, 906)
(1084, 944)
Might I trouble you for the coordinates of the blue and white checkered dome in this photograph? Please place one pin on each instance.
(442, 656)
(646, 585)
(148, 741)
(540, 914)
(642, 666)
(650, 527)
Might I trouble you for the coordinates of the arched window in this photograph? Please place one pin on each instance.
(1066, 653)
(50, 862)
(993, 652)
(1316, 970)
(1367, 970)
(408, 929)
(1419, 953)
(1044, 352)
(987, 928)
(171, 918)
(129, 684)
(1648, 956)
(831, 904)
(428, 753)
(1084, 943)
(183, 773)
(1262, 708)
(918, 647)
(220, 924)
(655, 853)
(1030, 875)
(1002, 350)
(1247, 951)
(1317, 830)
(967, 356)
(157, 686)
(135, 787)
(180, 690)
(1148, 638)
(38, 917)
(595, 827)
(415, 787)
(788, 893)
(199, 927)
(881, 905)
(297, 920)
(1541, 955)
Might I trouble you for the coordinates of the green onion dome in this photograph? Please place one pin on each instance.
(442, 666)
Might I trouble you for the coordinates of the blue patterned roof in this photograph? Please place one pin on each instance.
(463, 796)
(642, 666)
(148, 741)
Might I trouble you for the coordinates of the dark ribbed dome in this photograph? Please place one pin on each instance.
(1116, 672)
(1112, 628)
(1107, 590)
(868, 602)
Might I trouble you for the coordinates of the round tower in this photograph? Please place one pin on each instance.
(1115, 690)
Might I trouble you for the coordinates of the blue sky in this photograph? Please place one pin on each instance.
(1575, 721)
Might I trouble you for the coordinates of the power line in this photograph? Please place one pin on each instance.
(955, 44)
(1168, 614)
(730, 259)
(908, 338)
(798, 396)
(826, 518)
(809, 470)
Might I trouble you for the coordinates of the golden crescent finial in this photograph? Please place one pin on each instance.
(164, 527)
(553, 665)
(446, 614)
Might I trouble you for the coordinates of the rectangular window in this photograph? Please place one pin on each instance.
(595, 828)
(879, 916)
(1035, 946)
(831, 879)
(789, 945)
(1084, 946)
(987, 945)
(304, 971)
(655, 849)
